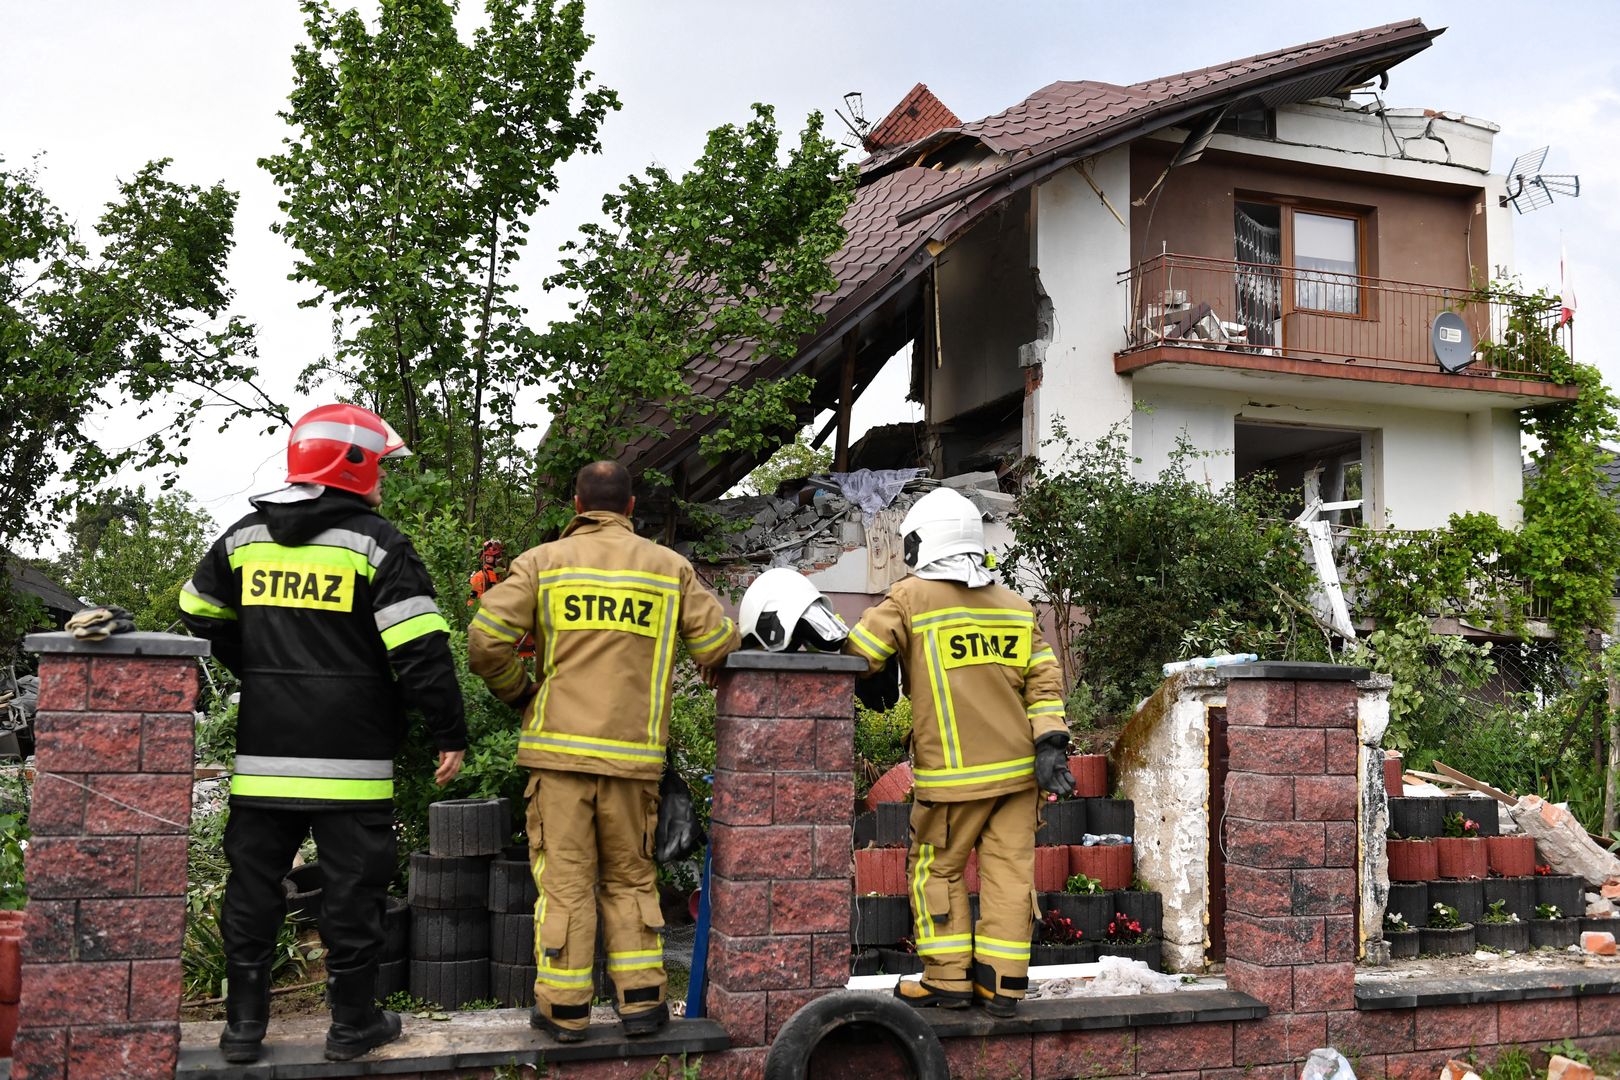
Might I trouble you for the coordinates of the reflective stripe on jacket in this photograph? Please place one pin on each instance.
(606, 608)
(983, 684)
(323, 610)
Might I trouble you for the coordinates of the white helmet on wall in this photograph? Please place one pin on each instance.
(940, 524)
(781, 610)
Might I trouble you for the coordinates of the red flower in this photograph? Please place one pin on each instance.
(1470, 825)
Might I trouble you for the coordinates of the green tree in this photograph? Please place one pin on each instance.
(794, 461)
(725, 260)
(136, 552)
(141, 324)
(416, 161)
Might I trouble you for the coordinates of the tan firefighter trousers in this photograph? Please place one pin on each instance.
(591, 840)
(955, 952)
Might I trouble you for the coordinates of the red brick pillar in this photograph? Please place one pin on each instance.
(1291, 837)
(784, 793)
(107, 864)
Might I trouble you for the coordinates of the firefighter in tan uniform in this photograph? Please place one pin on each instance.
(987, 727)
(606, 609)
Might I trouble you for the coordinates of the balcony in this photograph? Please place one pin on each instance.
(1225, 324)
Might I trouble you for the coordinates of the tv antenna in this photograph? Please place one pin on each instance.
(1528, 188)
(855, 120)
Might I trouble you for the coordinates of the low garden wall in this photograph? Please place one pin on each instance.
(107, 875)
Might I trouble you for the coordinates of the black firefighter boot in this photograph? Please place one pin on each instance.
(358, 1025)
(247, 1012)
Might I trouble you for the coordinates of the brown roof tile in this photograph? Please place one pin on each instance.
(1056, 121)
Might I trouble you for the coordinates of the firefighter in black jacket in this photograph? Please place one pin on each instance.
(327, 616)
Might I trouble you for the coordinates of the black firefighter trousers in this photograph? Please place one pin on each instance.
(357, 858)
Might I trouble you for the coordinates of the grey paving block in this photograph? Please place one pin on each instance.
(464, 827)
(446, 934)
(439, 881)
(511, 886)
(511, 937)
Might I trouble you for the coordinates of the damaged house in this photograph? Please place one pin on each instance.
(1251, 256)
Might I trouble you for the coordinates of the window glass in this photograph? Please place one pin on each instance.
(1325, 253)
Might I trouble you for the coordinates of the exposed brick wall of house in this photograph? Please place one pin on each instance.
(106, 868)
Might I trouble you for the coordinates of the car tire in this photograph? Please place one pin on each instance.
(919, 1047)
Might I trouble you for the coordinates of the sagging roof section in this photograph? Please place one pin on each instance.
(902, 206)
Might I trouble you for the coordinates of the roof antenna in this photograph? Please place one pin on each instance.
(857, 123)
(1528, 188)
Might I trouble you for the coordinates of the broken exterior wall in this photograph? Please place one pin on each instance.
(987, 309)
(1080, 250)
(1161, 763)
(1372, 862)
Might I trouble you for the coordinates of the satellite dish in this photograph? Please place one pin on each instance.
(1528, 188)
(1453, 344)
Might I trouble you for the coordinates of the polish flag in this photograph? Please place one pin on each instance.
(1566, 289)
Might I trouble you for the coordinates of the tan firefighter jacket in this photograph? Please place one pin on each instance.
(983, 684)
(605, 607)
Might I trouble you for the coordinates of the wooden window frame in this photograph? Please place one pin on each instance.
(1363, 296)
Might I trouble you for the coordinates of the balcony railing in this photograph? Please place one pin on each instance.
(1332, 317)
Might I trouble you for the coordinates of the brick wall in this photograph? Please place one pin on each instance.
(106, 868)
(780, 825)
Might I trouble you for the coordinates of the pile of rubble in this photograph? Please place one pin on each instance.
(813, 522)
(1173, 318)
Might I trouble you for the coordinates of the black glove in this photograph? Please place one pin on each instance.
(1052, 764)
(879, 691)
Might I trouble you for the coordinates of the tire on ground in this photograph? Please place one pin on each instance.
(396, 930)
(439, 881)
(511, 937)
(511, 886)
(468, 826)
(512, 984)
(303, 886)
(789, 1057)
(450, 985)
(449, 934)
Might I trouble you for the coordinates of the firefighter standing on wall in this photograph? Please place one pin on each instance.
(987, 728)
(606, 608)
(327, 616)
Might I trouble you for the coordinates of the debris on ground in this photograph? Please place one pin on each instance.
(1328, 1064)
(1117, 976)
(810, 524)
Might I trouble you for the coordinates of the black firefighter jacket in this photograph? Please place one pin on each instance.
(325, 612)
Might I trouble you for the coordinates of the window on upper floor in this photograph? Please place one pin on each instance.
(1327, 252)
(1325, 248)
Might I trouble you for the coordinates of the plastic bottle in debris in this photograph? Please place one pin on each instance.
(1223, 660)
(1094, 839)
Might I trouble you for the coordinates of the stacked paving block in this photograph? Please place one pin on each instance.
(1471, 873)
(449, 900)
(1088, 834)
(511, 900)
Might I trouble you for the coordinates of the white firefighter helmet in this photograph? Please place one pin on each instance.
(940, 524)
(781, 610)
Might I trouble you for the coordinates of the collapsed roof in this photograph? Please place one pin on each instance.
(915, 197)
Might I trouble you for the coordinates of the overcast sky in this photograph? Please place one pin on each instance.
(101, 86)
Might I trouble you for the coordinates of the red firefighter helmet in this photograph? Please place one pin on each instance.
(340, 446)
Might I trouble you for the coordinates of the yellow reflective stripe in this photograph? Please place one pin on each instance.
(563, 976)
(710, 641)
(414, 627)
(494, 627)
(868, 644)
(507, 677)
(537, 872)
(944, 711)
(192, 604)
(941, 616)
(663, 658)
(1042, 708)
(1007, 950)
(610, 577)
(309, 554)
(635, 961)
(585, 746)
(1045, 656)
(974, 774)
(548, 662)
(919, 899)
(948, 943)
(309, 787)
